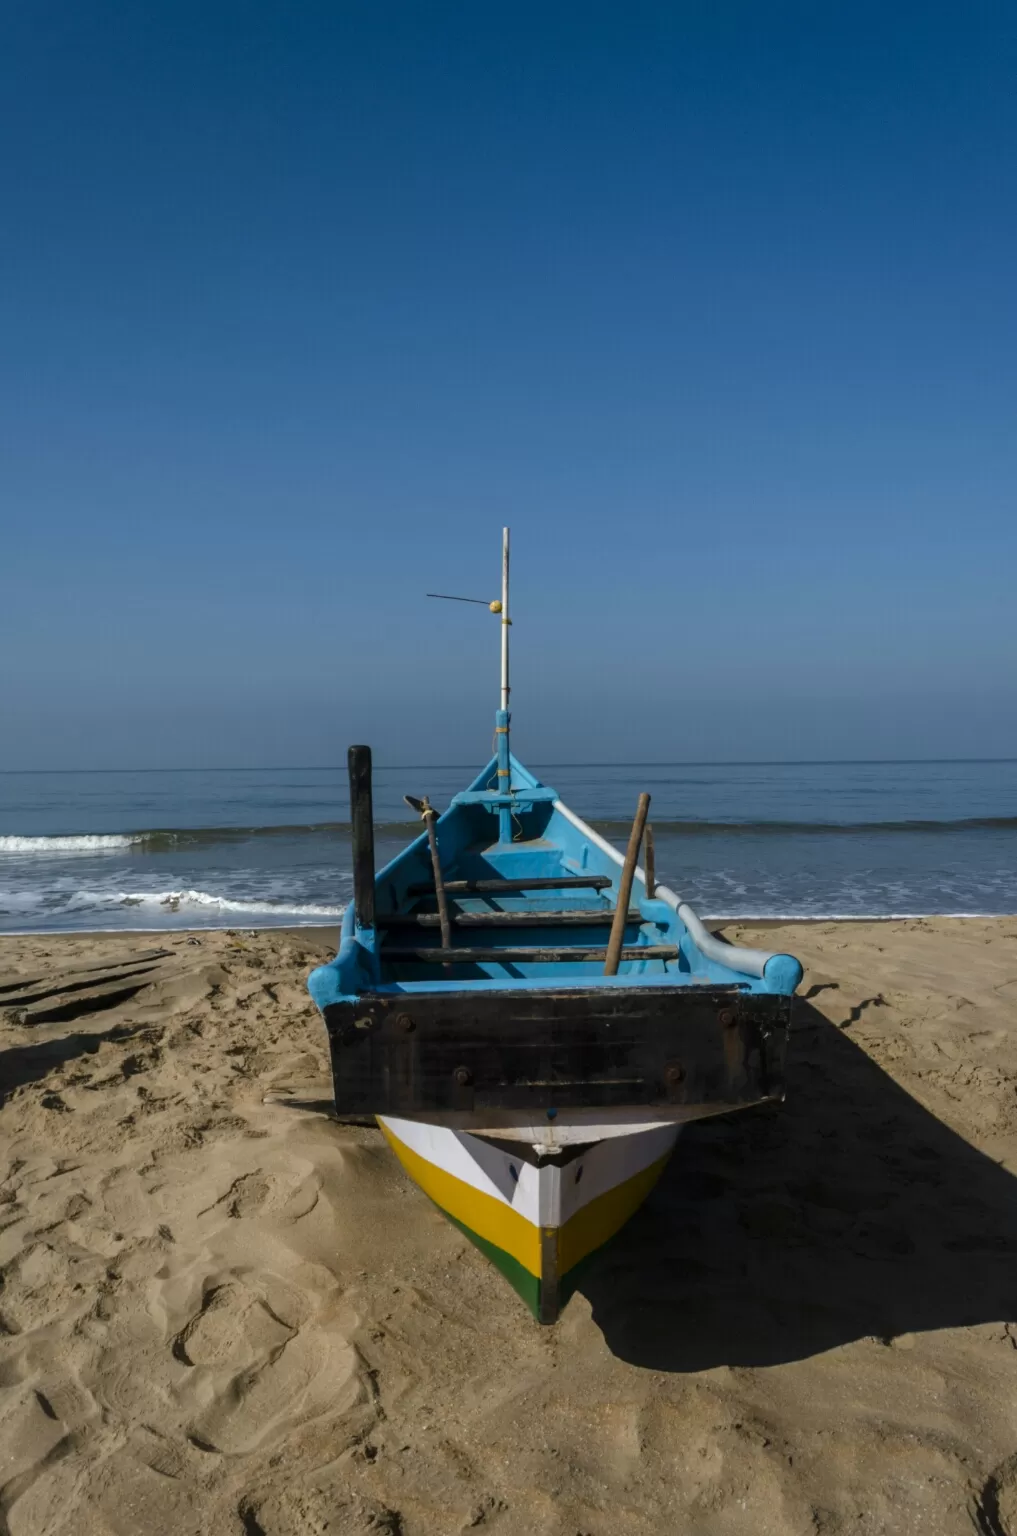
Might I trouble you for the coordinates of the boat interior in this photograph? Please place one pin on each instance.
(537, 907)
(530, 892)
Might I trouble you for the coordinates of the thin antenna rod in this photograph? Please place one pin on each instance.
(505, 620)
(447, 597)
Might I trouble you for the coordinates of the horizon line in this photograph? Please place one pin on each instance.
(698, 762)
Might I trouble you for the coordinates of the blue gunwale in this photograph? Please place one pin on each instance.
(549, 840)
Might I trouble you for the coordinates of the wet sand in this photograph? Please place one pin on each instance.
(222, 1312)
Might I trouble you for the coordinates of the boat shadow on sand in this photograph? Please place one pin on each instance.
(847, 1212)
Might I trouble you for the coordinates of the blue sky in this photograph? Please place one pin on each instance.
(715, 305)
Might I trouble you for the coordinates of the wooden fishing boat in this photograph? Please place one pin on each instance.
(532, 1018)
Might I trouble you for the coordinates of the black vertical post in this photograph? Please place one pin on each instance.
(362, 820)
(651, 864)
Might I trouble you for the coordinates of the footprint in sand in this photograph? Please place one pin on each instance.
(261, 1194)
(996, 1511)
(261, 1366)
(35, 1285)
(235, 1327)
(317, 1512)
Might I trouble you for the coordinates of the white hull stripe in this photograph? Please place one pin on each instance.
(544, 1195)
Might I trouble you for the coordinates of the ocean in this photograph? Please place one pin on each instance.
(269, 847)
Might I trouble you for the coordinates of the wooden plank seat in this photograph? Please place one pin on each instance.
(577, 918)
(522, 954)
(562, 883)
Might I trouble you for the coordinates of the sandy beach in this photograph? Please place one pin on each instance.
(221, 1311)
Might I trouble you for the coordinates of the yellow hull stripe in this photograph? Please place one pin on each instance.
(496, 1222)
(485, 1215)
(593, 1224)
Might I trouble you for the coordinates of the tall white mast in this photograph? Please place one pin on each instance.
(505, 620)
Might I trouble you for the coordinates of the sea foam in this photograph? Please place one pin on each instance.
(177, 901)
(84, 842)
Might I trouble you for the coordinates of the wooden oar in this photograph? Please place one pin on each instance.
(614, 943)
(430, 816)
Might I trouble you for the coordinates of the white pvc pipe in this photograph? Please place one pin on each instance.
(504, 618)
(737, 957)
(750, 962)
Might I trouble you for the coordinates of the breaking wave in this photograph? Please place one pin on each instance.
(74, 909)
(206, 901)
(169, 839)
(84, 842)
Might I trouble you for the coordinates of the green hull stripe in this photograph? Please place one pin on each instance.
(520, 1279)
(515, 1273)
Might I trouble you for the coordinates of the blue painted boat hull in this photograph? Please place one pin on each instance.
(512, 1045)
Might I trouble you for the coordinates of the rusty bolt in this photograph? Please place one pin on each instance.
(463, 1076)
(726, 1018)
(675, 1073)
(405, 1023)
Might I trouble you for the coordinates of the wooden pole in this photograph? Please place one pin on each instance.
(651, 865)
(614, 943)
(362, 826)
(431, 816)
